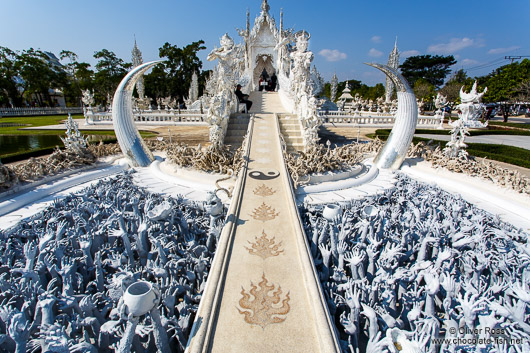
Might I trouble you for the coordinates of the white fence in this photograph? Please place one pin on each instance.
(338, 117)
(155, 117)
(39, 111)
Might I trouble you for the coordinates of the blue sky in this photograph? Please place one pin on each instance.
(344, 34)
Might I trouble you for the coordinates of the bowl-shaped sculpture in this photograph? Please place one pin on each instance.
(160, 212)
(370, 211)
(140, 297)
(331, 211)
(213, 205)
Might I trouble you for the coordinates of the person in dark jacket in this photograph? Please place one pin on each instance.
(243, 98)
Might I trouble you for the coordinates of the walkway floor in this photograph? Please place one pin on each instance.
(510, 140)
(269, 298)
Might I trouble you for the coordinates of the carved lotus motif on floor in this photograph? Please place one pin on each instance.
(265, 308)
(264, 191)
(264, 213)
(265, 247)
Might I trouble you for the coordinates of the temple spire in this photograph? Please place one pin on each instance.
(393, 62)
(137, 60)
(248, 20)
(281, 21)
(265, 7)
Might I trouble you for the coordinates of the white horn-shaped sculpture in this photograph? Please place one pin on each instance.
(395, 149)
(131, 143)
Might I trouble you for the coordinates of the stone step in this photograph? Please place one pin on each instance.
(236, 132)
(290, 131)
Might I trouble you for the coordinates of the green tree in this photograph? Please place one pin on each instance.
(451, 90)
(433, 69)
(9, 94)
(504, 83)
(79, 77)
(38, 76)
(423, 89)
(110, 70)
(173, 76)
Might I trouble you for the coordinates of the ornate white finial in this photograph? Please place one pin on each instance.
(226, 40)
(265, 6)
(281, 20)
(248, 20)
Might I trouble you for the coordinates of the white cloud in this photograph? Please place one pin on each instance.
(375, 53)
(407, 53)
(376, 39)
(454, 45)
(332, 54)
(502, 50)
(469, 62)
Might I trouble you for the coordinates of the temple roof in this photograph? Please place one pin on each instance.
(264, 21)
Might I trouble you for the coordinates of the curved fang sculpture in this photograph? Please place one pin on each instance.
(395, 149)
(131, 143)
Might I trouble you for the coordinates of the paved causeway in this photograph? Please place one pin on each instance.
(263, 293)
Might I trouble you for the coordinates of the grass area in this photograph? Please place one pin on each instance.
(502, 153)
(36, 121)
(32, 121)
(515, 125)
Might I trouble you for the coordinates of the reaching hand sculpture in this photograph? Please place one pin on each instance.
(431, 267)
(71, 264)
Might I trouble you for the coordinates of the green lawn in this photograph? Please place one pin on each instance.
(32, 121)
(37, 121)
(502, 153)
(516, 125)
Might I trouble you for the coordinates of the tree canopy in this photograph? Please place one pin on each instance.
(109, 72)
(173, 76)
(433, 69)
(506, 82)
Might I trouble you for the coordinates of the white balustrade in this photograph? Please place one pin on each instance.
(154, 117)
(371, 118)
(39, 111)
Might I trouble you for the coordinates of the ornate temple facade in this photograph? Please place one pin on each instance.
(264, 47)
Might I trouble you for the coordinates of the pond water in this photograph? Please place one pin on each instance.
(24, 143)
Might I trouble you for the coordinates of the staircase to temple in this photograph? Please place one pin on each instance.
(263, 293)
(290, 129)
(236, 130)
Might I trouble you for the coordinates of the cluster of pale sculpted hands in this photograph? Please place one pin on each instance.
(63, 272)
(426, 265)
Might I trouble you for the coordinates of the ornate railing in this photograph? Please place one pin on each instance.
(373, 118)
(39, 111)
(157, 117)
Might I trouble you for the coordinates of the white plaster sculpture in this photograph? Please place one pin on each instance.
(417, 263)
(131, 143)
(223, 99)
(333, 90)
(88, 101)
(74, 141)
(72, 275)
(395, 149)
(470, 110)
(440, 103)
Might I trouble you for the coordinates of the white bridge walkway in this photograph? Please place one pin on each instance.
(263, 293)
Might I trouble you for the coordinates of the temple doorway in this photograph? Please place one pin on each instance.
(263, 61)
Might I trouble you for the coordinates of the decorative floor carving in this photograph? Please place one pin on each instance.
(264, 191)
(265, 247)
(261, 305)
(264, 213)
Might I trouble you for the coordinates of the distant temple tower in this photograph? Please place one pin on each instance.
(393, 62)
(137, 61)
